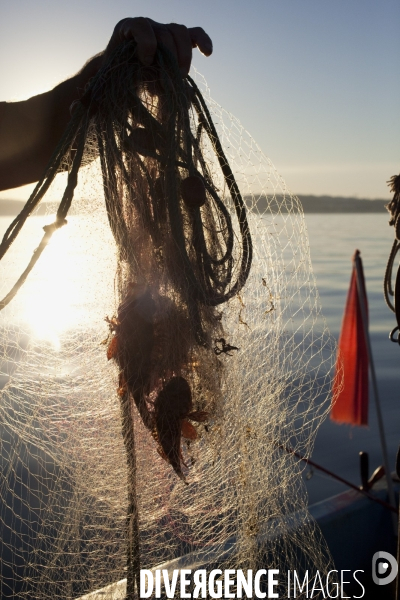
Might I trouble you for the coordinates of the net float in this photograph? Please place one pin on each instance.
(193, 191)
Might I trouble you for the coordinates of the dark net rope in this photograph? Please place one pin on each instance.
(389, 293)
(172, 145)
(152, 129)
(210, 278)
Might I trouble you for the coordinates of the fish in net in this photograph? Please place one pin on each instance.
(187, 349)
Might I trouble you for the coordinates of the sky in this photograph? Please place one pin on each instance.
(315, 82)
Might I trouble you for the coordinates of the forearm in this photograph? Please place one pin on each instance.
(30, 130)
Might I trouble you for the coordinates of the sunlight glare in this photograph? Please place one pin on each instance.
(58, 295)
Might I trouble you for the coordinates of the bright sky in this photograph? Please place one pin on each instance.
(316, 82)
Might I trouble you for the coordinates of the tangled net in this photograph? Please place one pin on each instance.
(392, 295)
(214, 369)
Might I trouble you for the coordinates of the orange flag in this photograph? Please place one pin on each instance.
(351, 404)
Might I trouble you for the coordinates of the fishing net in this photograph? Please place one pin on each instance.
(165, 355)
(392, 293)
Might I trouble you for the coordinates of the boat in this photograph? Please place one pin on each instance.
(355, 528)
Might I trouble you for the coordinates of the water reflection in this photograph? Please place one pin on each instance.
(71, 286)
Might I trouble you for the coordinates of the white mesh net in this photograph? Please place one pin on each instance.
(75, 499)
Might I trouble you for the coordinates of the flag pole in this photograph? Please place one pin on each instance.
(360, 289)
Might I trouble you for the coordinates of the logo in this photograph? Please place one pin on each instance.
(384, 568)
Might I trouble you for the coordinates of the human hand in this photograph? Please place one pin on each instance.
(147, 33)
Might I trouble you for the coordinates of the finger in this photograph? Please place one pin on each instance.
(141, 31)
(183, 45)
(165, 37)
(200, 39)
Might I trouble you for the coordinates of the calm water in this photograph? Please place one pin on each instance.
(333, 239)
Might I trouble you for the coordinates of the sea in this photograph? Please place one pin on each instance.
(333, 238)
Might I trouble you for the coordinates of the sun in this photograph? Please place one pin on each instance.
(71, 286)
(56, 291)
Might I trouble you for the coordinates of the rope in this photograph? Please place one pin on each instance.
(210, 284)
(394, 209)
(60, 221)
(387, 282)
(207, 263)
(308, 461)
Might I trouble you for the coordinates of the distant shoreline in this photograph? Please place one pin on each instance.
(311, 204)
(12, 208)
(339, 204)
(322, 204)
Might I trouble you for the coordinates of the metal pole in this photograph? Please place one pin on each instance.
(360, 288)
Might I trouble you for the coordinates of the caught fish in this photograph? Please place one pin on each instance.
(172, 411)
(172, 405)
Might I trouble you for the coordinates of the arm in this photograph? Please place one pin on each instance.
(30, 130)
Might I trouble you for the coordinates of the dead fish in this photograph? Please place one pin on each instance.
(171, 407)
